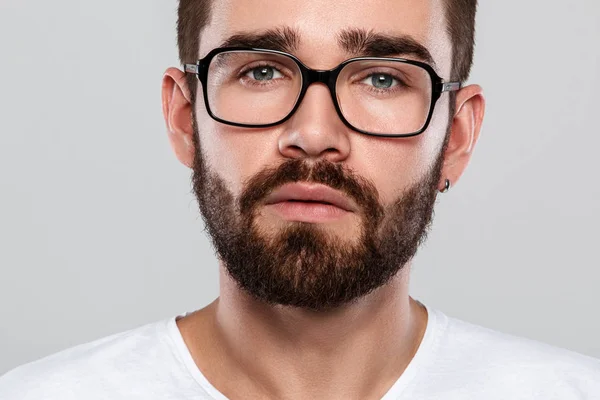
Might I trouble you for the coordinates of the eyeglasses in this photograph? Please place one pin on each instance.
(378, 96)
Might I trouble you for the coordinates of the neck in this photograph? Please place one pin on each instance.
(245, 346)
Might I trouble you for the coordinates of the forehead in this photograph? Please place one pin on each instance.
(319, 23)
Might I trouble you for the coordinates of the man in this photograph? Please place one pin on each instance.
(319, 134)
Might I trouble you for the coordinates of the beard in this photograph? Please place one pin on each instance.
(302, 264)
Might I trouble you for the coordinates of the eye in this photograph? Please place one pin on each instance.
(264, 73)
(381, 81)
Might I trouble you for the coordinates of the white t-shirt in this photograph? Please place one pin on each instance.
(455, 361)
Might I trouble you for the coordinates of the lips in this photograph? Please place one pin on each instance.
(311, 193)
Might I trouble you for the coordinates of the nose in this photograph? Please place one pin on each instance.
(315, 130)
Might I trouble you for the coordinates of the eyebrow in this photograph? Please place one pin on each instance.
(282, 39)
(356, 42)
(359, 42)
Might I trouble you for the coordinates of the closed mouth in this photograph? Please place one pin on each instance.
(311, 201)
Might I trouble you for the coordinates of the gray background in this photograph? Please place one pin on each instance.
(100, 233)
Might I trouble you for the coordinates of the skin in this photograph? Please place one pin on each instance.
(244, 347)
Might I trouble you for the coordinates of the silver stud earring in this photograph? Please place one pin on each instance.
(447, 187)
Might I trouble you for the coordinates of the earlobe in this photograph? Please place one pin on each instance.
(465, 129)
(177, 111)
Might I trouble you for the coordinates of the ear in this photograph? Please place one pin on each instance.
(177, 110)
(466, 125)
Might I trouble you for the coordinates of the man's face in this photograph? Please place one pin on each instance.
(392, 181)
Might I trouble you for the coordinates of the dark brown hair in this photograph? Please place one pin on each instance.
(193, 16)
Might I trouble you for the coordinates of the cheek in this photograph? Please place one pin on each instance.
(234, 154)
(393, 165)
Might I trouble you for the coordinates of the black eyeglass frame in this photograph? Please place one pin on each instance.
(327, 77)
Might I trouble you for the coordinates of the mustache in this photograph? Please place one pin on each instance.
(324, 172)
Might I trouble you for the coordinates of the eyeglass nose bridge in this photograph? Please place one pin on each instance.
(321, 76)
(329, 79)
(326, 77)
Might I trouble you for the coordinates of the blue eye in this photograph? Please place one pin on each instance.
(382, 81)
(264, 73)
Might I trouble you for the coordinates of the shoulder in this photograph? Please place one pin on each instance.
(77, 372)
(503, 360)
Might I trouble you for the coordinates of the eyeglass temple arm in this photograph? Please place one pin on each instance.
(450, 86)
(191, 68)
